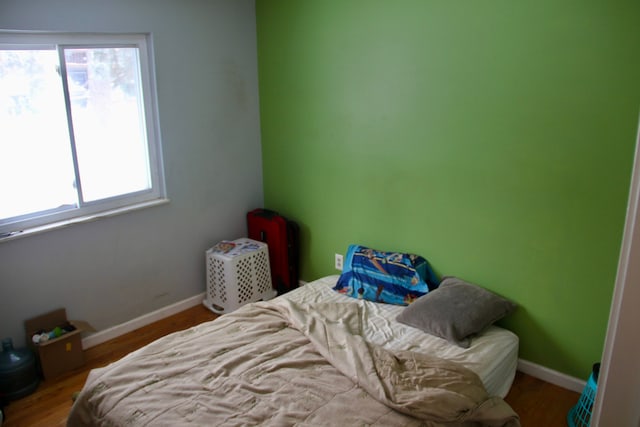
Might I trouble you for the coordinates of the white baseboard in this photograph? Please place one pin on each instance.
(551, 376)
(144, 320)
(115, 331)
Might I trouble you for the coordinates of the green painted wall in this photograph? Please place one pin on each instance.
(494, 138)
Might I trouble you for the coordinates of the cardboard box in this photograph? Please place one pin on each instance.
(57, 355)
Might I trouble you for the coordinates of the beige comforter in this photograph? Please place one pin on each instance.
(279, 363)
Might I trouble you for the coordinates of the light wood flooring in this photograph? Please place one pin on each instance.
(538, 403)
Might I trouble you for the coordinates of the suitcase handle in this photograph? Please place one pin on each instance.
(266, 213)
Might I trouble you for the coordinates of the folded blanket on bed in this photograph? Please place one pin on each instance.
(280, 363)
(419, 385)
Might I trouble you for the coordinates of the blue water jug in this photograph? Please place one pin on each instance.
(18, 373)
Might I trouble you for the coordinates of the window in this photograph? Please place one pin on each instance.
(78, 128)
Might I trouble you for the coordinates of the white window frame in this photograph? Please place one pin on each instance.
(86, 211)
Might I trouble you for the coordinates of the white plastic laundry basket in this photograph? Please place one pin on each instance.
(237, 273)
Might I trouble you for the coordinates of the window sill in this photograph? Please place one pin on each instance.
(80, 220)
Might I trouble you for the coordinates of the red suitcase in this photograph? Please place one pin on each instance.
(282, 238)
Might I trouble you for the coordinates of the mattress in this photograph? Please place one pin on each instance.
(493, 355)
(309, 357)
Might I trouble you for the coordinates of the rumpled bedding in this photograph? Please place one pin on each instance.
(282, 363)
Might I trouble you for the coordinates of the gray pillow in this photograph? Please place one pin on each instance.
(456, 311)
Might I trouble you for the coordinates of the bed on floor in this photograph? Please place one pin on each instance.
(313, 356)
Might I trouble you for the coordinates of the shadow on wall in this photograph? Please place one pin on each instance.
(553, 354)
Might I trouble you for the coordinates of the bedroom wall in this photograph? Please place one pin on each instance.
(494, 138)
(116, 269)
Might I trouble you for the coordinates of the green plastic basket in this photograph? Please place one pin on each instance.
(580, 415)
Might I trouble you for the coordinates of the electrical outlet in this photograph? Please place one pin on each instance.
(338, 262)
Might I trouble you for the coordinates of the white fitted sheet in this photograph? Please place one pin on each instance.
(493, 355)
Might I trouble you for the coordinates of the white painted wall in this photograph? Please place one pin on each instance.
(618, 394)
(119, 268)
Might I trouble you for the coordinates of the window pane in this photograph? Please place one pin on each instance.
(108, 121)
(37, 167)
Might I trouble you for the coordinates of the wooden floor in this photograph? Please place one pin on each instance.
(538, 403)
